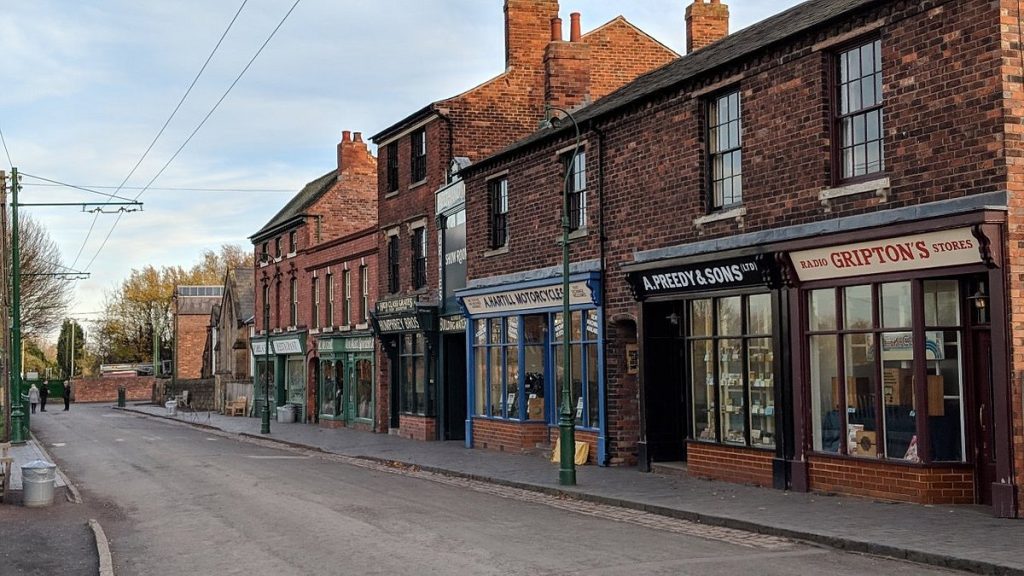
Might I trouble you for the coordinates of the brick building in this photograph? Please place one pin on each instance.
(795, 260)
(316, 270)
(420, 207)
(191, 307)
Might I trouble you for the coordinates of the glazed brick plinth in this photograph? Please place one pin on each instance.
(137, 389)
(890, 481)
(417, 427)
(732, 464)
(508, 435)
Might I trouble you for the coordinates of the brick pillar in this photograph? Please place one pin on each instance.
(705, 23)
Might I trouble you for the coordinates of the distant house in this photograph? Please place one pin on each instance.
(192, 306)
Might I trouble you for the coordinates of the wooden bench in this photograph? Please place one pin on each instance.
(236, 407)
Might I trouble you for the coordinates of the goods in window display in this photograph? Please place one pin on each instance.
(535, 408)
(866, 443)
(936, 398)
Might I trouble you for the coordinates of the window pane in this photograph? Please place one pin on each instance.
(593, 397)
(512, 329)
(761, 385)
(898, 395)
(700, 318)
(821, 309)
(702, 355)
(824, 383)
(534, 327)
(759, 314)
(861, 406)
(857, 307)
(534, 376)
(576, 333)
(896, 309)
(732, 405)
(941, 303)
(495, 330)
(729, 316)
(494, 385)
(945, 395)
(330, 399)
(364, 389)
(592, 326)
(480, 390)
(512, 398)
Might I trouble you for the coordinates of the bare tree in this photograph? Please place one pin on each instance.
(45, 293)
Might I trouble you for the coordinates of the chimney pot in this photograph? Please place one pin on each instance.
(574, 27)
(359, 136)
(556, 29)
(346, 136)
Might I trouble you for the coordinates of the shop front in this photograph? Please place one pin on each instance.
(515, 360)
(265, 377)
(286, 368)
(408, 333)
(347, 368)
(714, 382)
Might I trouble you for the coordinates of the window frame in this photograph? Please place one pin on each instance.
(419, 257)
(418, 155)
(392, 167)
(293, 302)
(838, 134)
(417, 355)
(346, 307)
(576, 162)
(330, 299)
(364, 275)
(315, 297)
(714, 150)
(277, 247)
(497, 203)
(293, 242)
(394, 284)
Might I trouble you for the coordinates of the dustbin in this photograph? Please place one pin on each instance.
(286, 414)
(172, 407)
(37, 480)
(120, 396)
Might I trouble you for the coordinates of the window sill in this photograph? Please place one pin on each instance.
(573, 235)
(389, 195)
(496, 251)
(277, 259)
(275, 331)
(292, 328)
(290, 255)
(890, 461)
(879, 187)
(327, 329)
(363, 326)
(736, 214)
(417, 184)
(314, 331)
(344, 329)
(758, 447)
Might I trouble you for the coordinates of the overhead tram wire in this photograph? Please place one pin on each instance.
(8, 152)
(90, 188)
(207, 117)
(162, 128)
(82, 188)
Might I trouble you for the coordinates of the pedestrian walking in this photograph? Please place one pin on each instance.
(44, 393)
(33, 397)
(67, 395)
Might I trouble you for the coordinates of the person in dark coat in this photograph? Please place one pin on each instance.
(67, 395)
(44, 393)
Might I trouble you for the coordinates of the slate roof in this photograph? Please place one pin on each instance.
(736, 46)
(243, 292)
(309, 194)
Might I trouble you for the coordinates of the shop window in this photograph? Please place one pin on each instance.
(732, 372)
(863, 370)
(364, 389)
(498, 203)
(413, 375)
(296, 384)
(725, 153)
(859, 125)
(583, 366)
(576, 188)
(501, 384)
(332, 390)
(419, 155)
(392, 167)
(535, 328)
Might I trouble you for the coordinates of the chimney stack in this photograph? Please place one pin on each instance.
(705, 23)
(567, 67)
(353, 155)
(527, 29)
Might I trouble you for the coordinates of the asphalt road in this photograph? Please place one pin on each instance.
(177, 500)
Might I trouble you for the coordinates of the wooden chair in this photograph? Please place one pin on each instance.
(182, 399)
(236, 407)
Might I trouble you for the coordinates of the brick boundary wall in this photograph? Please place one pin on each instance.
(417, 427)
(886, 481)
(506, 436)
(740, 465)
(201, 392)
(137, 389)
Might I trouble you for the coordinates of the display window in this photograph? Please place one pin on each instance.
(332, 388)
(732, 370)
(414, 395)
(869, 347)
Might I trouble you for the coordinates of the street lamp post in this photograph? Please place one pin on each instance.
(17, 414)
(265, 413)
(566, 417)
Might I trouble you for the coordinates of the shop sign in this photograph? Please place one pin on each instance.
(580, 293)
(325, 345)
(363, 343)
(398, 324)
(259, 348)
(915, 252)
(453, 324)
(714, 275)
(396, 306)
(450, 197)
(289, 346)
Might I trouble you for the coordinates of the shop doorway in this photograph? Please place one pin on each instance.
(667, 418)
(453, 411)
(394, 419)
(984, 437)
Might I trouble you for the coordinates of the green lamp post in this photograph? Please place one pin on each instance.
(265, 412)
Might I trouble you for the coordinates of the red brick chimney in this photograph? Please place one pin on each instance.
(705, 23)
(527, 26)
(353, 155)
(566, 66)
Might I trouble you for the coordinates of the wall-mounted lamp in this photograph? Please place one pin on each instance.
(979, 299)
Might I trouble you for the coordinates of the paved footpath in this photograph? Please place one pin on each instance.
(961, 537)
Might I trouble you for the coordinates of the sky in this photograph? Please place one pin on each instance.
(88, 85)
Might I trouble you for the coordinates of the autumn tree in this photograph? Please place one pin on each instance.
(70, 344)
(45, 287)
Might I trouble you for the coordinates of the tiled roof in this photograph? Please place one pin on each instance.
(309, 194)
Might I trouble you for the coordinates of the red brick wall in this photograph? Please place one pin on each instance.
(417, 427)
(189, 344)
(508, 436)
(137, 389)
(705, 23)
(742, 465)
(923, 485)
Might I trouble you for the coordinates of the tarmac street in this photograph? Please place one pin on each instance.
(174, 499)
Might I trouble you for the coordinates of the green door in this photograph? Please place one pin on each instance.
(296, 386)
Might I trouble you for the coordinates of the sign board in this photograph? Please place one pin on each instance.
(914, 252)
(259, 347)
(289, 346)
(398, 324)
(714, 275)
(580, 293)
(449, 324)
(396, 306)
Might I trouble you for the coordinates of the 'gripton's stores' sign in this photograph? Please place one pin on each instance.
(715, 275)
(915, 252)
(580, 293)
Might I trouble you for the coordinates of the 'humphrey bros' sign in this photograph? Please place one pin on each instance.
(930, 250)
(715, 275)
